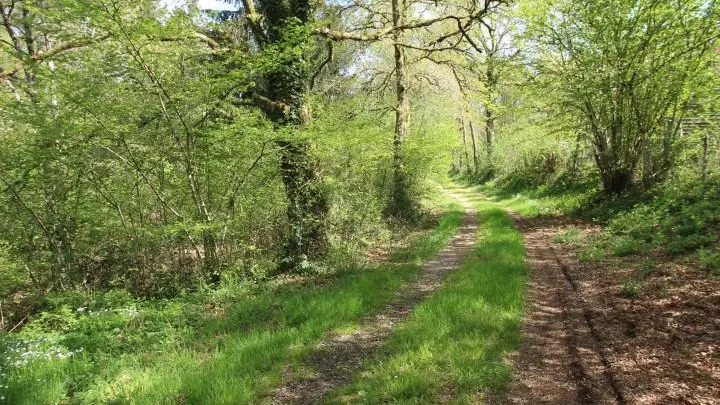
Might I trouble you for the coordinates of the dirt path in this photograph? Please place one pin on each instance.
(562, 360)
(340, 356)
(587, 343)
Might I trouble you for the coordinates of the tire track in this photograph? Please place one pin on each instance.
(608, 372)
(339, 356)
(563, 346)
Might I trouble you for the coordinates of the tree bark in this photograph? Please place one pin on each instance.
(286, 85)
(400, 205)
(466, 154)
(473, 136)
(616, 178)
(704, 163)
(489, 128)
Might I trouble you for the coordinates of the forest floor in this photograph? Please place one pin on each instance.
(613, 331)
(340, 356)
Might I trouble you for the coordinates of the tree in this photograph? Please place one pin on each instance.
(495, 38)
(628, 68)
(113, 151)
(282, 28)
(422, 31)
(400, 204)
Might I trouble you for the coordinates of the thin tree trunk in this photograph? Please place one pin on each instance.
(466, 154)
(576, 154)
(489, 128)
(473, 136)
(704, 165)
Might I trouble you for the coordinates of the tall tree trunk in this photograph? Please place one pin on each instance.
(489, 128)
(307, 206)
(704, 163)
(466, 154)
(400, 205)
(287, 85)
(473, 136)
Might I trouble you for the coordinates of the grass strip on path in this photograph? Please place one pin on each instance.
(454, 348)
(226, 358)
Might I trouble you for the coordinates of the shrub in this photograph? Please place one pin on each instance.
(630, 289)
(647, 268)
(570, 236)
(11, 276)
(710, 261)
(626, 247)
(591, 254)
(690, 243)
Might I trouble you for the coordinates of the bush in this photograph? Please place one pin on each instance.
(647, 268)
(626, 247)
(640, 224)
(630, 289)
(11, 277)
(591, 254)
(570, 236)
(682, 214)
(710, 261)
(690, 243)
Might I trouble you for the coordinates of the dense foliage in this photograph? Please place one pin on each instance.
(164, 168)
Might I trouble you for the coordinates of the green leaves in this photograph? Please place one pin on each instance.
(628, 70)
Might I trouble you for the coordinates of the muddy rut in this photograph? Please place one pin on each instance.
(340, 356)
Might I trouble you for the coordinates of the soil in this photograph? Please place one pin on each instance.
(340, 356)
(588, 343)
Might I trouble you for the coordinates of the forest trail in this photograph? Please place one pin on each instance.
(339, 356)
(586, 343)
(562, 359)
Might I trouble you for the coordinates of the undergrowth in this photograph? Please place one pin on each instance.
(680, 217)
(219, 346)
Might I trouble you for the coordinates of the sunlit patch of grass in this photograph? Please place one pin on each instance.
(591, 254)
(536, 202)
(456, 343)
(202, 358)
(568, 237)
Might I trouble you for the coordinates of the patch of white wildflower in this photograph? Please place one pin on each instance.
(27, 350)
(129, 311)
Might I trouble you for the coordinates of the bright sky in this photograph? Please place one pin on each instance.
(203, 4)
(215, 5)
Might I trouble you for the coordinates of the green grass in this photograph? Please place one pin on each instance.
(630, 289)
(541, 201)
(455, 345)
(224, 346)
(568, 237)
(591, 254)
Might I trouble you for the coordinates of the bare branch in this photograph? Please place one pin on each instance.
(42, 56)
(341, 35)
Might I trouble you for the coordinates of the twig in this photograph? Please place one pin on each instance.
(22, 321)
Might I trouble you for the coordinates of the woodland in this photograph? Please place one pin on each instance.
(194, 194)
